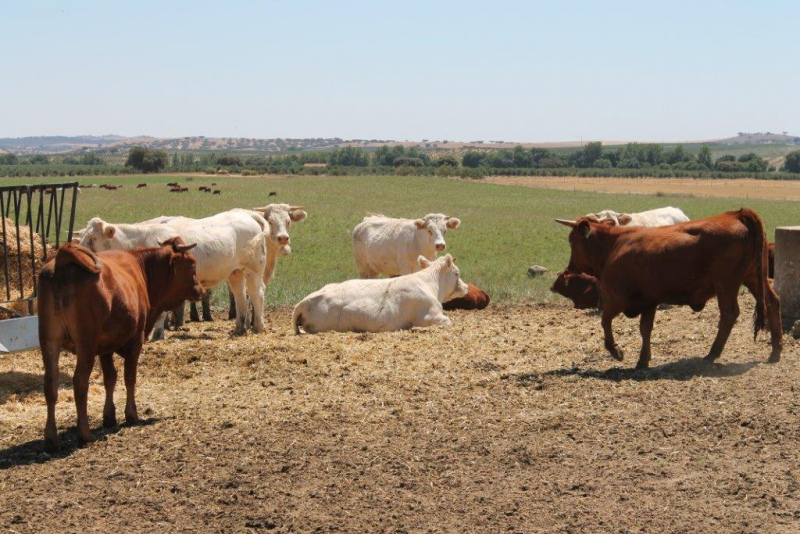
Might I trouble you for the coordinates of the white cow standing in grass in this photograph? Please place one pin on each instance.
(231, 246)
(385, 246)
(657, 217)
(383, 305)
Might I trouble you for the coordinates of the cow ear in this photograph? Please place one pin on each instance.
(298, 215)
(423, 262)
(109, 231)
(624, 219)
(452, 223)
(448, 260)
(584, 229)
(420, 224)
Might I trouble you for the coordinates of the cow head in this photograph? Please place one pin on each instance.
(280, 217)
(182, 283)
(581, 241)
(436, 225)
(99, 236)
(581, 289)
(451, 285)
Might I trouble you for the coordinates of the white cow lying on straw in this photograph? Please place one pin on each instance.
(383, 305)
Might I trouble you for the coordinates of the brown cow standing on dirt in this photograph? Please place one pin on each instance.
(104, 303)
(580, 288)
(686, 264)
(475, 299)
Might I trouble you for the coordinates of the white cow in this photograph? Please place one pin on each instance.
(382, 245)
(231, 246)
(383, 305)
(657, 217)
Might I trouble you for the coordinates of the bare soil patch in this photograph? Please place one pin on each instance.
(743, 188)
(514, 419)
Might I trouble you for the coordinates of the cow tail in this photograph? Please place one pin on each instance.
(756, 228)
(297, 320)
(84, 258)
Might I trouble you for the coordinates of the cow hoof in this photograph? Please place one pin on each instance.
(774, 357)
(642, 365)
(711, 358)
(617, 354)
(109, 422)
(86, 440)
(158, 335)
(51, 445)
(132, 420)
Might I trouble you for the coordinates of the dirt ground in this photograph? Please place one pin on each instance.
(513, 420)
(743, 188)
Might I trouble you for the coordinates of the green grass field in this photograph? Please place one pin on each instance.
(504, 228)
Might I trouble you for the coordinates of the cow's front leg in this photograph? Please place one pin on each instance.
(193, 315)
(609, 312)
(177, 316)
(255, 289)
(646, 328)
(728, 313)
(207, 306)
(131, 366)
(109, 381)
(232, 307)
(435, 318)
(236, 283)
(158, 328)
(80, 386)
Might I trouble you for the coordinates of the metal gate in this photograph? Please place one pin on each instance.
(33, 226)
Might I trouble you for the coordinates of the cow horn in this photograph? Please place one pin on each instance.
(295, 208)
(260, 209)
(185, 248)
(566, 222)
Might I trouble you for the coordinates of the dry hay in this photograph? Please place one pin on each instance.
(13, 257)
(513, 419)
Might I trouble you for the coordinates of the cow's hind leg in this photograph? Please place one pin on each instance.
(236, 283)
(80, 386)
(109, 381)
(207, 306)
(232, 307)
(50, 352)
(177, 316)
(610, 310)
(193, 315)
(646, 328)
(775, 324)
(255, 289)
(131, 357)
(728, 313)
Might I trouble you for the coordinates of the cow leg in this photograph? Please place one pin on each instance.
(50, 352)
(177, 316)
(728, 313)
(236, 283)
(775, 324)
(609, 312)
(435, 319)
(646, 328)
(80, 386)
(207, 306)
(193, 315)
(109, 381)
(131, 366)
(158, 328)
(255, 289)
(232, 307)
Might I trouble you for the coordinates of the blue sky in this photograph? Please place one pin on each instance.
(523, 71)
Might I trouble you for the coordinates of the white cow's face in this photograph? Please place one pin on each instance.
(280, 217)
(436, 225)
(451, 285)
(99, 236)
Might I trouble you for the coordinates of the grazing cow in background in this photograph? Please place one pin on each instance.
(475, 299)
(184, 190)
(273, 194)
(685, 264)
(657, 217)
(217, 192)
(106, 303)
(383, 305)
(385, 246)
(172, 184)
(141, 186)
(175, 190)
(580, 288)
(230, 247)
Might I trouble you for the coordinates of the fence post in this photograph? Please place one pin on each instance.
(787, 272)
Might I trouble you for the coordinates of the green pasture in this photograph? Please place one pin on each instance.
(504, 229)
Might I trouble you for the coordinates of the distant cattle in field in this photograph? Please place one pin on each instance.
(580, 288)
(112, 187)
(273, 194)
(383, 305)
(686, 264)
(217, 192)
(141, 186)
(652, 218)
(184, 190)
(202, 188)
(213, 183)
(175, 190)
(475, 299)
(172, 184)
(390, 247)
(106, 303)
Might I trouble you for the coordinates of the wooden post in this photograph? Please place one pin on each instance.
(787, 272)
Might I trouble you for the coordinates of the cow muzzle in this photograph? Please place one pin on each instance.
(283, 239)
(440, 247)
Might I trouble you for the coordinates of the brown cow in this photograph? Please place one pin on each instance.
(175, 190)
(172, 184)
(580, 288)
(104, 303)
(217, 191)
(685, 264)
(183, 190)
(475, 299)
(141, 186)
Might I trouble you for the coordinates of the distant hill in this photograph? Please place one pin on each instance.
(118, 143)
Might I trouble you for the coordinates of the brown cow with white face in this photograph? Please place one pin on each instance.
(105, 303)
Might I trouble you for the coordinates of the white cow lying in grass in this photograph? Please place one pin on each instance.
(384, 246)
(230, 247)
(383, 305)
(657, 217)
